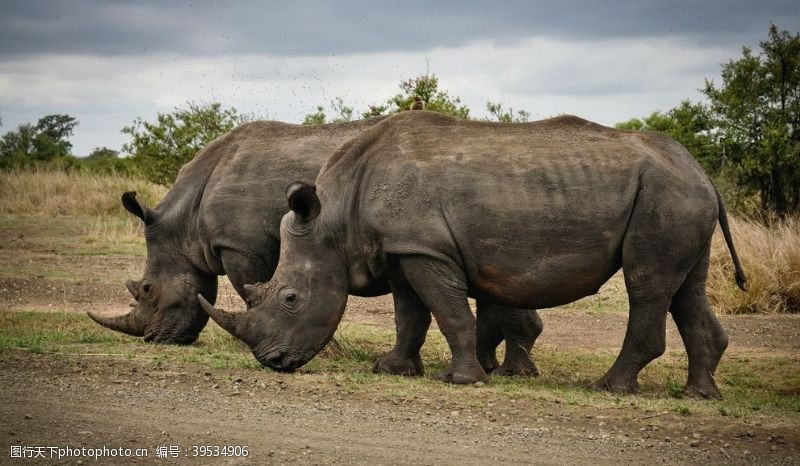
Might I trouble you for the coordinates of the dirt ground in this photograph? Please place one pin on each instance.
(96, 400)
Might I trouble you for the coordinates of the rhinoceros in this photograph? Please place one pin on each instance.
(222, 216)
(530, 215)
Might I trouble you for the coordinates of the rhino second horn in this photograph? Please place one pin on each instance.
(125, 323)
(227, 320)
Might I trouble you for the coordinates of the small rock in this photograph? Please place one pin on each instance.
(479, 384)
(750, 434)
(216, 385)
(454, 413)
(695, 435)
(774, 448)
(207, 374)
(28, 416)
(694, 443)
(667, 439)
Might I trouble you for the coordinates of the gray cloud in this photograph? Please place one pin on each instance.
(307, 28)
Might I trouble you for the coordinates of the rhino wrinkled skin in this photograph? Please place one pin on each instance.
(530, 215)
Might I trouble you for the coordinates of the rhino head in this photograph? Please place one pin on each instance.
(293, 316)
(165, 308)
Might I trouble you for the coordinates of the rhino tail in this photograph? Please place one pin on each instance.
(741, 279)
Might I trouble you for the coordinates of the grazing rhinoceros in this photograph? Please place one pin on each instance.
(528, 215)
(222, 217)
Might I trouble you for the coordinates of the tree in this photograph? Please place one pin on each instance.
(160, 149)
(496, 110)
(344, 113)
(316, 118)
(45, 141)
(426, 87)
(51, 138)
(757, 108)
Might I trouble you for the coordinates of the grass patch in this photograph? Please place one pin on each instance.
(770, 257)
(42, 192)
(74, 236)
(761, 387)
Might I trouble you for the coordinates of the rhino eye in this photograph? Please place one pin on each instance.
(289, 299)
(147, 287)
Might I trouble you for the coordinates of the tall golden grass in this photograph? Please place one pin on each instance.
(770, 257)
(39, 192)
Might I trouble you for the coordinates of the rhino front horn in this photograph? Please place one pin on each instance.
(126, 323)
(227, 320)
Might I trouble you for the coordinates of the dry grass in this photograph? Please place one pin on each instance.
(771, 259)
(34, 192)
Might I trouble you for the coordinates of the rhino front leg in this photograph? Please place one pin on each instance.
(520, 328)
(442, 288)
(412, 320)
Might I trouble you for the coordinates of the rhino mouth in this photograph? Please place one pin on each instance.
(172, 339)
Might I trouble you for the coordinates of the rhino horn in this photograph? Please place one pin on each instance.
(132, 288)
(125, 323)
(228, 320)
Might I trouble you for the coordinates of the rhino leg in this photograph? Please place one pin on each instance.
(412, 320)
(489, 335)
(520, 328)
(702, 334)
(442, 288)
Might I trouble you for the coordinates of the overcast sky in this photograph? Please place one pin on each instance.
(108, 62)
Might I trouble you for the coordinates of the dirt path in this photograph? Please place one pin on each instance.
(94, 402)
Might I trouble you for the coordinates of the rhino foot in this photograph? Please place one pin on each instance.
(399, 365)
(517, 367)
(463, 375)
(615, 386)
(703, 390)
(488, 361)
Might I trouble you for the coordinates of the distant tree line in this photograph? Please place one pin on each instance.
(746, 133)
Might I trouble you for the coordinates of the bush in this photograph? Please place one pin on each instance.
(770, 256)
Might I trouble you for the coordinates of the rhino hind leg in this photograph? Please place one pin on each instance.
(663, 243)
(702, 334)
(412, 320)
(519, 328)
(442, 288)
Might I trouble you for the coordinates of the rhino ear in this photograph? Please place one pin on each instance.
(132, 205)
(303, 200)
